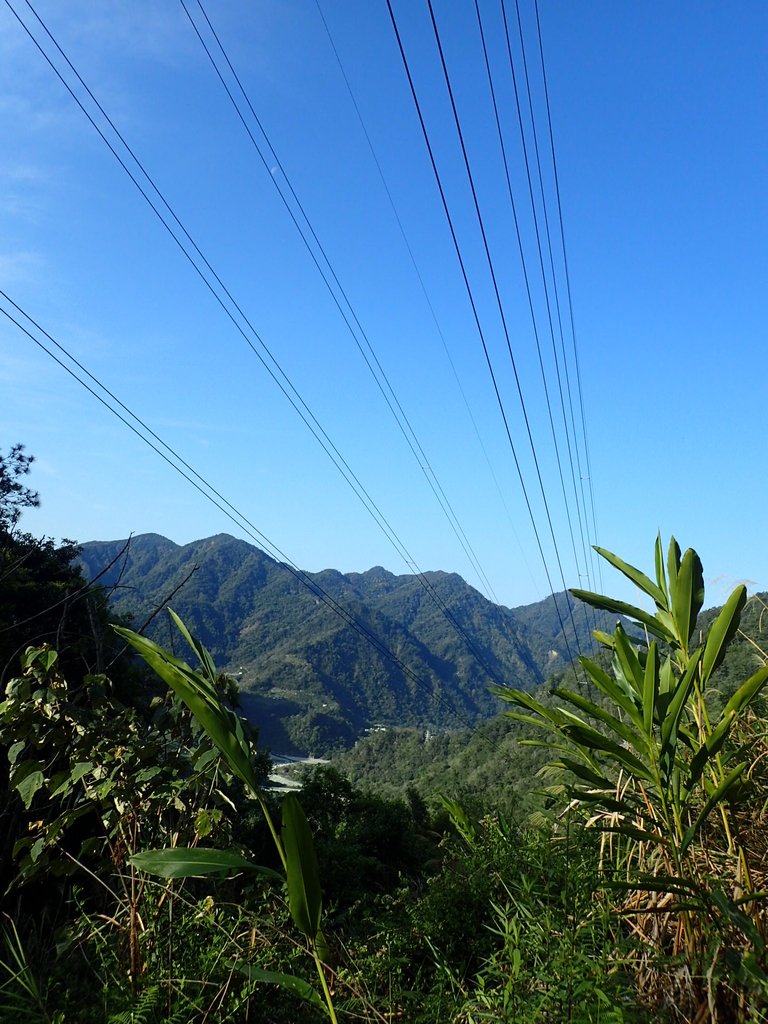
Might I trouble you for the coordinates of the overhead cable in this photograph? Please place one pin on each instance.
(170, 456)
(475, 313)
(272, 367)
(373, 363)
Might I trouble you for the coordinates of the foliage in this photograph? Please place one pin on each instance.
(294, 844)
(662, 782)
(312, 682)
(14, 495)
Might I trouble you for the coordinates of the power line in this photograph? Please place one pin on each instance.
(378, 373)
(420, 278)
(473, 305)
(526, 279)
(282, 381)
(500, 305)
(204, 487)
(585, 547)
(567, 279)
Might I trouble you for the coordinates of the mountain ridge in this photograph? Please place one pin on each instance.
(308, 678)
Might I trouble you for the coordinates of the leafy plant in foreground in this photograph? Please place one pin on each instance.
(294, 845)
(655, 768)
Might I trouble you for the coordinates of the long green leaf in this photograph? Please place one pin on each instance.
(173, 862)
(661, 577)
(708, 749)
(586, 774)
(594, 740)
(673, 563)
(628, 661)
(202, 700)
(638, 578)
(203, 656)
(678, 701)
(650, 687)
(618, 693)
(633, 832)
(621, 729)
(722, 631)
(304, 896)
(715, 798)
(687, 594)
(288, 981)
(608, 604)
(747, 692)
(656, 883)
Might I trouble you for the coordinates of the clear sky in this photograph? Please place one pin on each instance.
(659, 119)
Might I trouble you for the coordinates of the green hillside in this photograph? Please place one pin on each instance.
(308, 678)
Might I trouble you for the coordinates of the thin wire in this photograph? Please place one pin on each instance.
(422, 283)
(216, 498)
(527, 282)
(393, 403)
(319, 433)
(473, 305)
(568, 283)
(588, 554)
(501, 311)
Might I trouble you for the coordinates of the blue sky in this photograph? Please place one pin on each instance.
(659, 120)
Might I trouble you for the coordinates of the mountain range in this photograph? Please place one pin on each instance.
(311, 679)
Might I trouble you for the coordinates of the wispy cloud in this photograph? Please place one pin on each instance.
(20, 267)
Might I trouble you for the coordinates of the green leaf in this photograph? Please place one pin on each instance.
(633, 832)
(715, 798)
(711, 746)
(206, 661)
(608, 604)
(80, 770)
(594, 740)
(656, 883)
(650, 687)
(661, 578)
(678, 701)
(621, 729)
(27, 779)
(586, 774)
(638, 578)
(200, 696)
(174, 862)
(628, 660)
(615, 691)
(304, 896)
(14, 750)
(722, 631)
(673, 563)
(747, 692)
(687, 592)
(297, 985)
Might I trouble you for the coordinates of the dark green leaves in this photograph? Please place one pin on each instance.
(304, 897)
(198, 692)
(189, 863)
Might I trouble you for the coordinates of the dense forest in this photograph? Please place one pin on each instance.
(596, 853)
(312, 679)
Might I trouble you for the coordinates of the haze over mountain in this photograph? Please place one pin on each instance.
(309, 679)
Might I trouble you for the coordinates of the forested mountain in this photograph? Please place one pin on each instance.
(309, 679)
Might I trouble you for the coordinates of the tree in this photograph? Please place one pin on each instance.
(14, 496)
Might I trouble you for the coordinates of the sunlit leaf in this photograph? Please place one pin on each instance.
(296, 985)
(174, 862)
(635, 575)
(304, 896)
(722, 631)
(608, 604)
(687, 593)
(718, 795)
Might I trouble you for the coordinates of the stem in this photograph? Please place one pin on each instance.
(326, 991)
